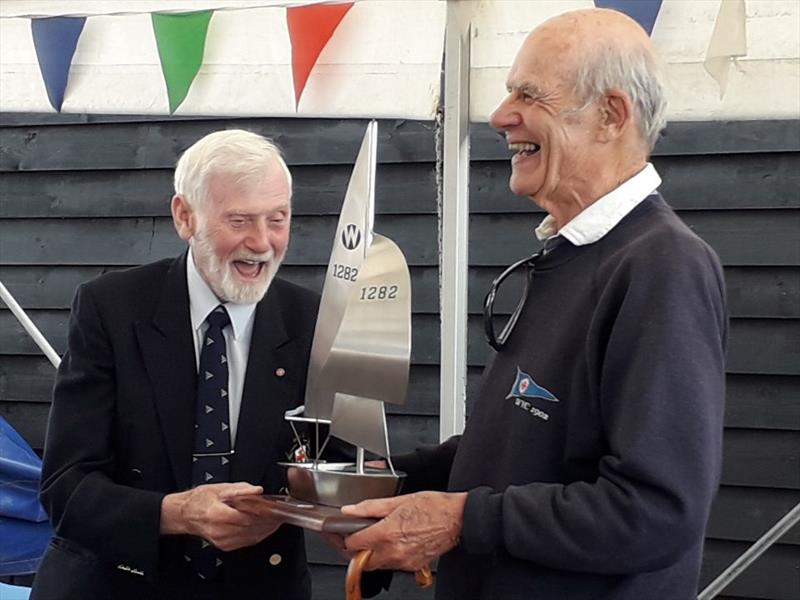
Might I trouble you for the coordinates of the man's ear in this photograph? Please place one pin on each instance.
(616, 110)
(183, 217)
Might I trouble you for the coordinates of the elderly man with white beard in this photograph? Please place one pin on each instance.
(170, 400)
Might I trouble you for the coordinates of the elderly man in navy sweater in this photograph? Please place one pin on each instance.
(592, 454)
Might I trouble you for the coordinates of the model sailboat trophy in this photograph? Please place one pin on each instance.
(359, 359)
(360, 353)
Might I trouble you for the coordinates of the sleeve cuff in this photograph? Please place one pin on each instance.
(482, 530)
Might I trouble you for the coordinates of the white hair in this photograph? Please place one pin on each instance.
(235, 152)
(634, 70)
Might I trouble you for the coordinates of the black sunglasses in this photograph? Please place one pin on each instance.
(497, 342)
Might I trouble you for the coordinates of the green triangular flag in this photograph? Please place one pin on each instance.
(181, 39)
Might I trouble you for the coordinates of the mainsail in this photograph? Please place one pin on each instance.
(362, 342)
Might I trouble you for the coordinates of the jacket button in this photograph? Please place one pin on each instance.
(280, 371)
(275, 560)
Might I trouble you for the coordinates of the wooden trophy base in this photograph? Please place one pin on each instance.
(314, 517)
(322, 519)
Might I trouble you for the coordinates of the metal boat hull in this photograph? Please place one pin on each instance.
(338, 484)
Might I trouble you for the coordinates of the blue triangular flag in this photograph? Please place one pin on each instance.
(525, 387)
(643, 12)
(55, 39)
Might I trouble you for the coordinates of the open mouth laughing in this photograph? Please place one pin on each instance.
(252, 267)
(248, 269)
(524, 148)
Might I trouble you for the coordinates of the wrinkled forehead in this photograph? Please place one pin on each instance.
(270, 186)
(545, 60)
(272, 175)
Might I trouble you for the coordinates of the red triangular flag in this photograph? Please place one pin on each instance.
(310, 28)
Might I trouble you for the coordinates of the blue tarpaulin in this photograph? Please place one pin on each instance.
(24, 529)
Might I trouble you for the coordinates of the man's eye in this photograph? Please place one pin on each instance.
(237, 222)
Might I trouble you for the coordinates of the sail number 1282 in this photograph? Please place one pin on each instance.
(379, 292)
(345, 272)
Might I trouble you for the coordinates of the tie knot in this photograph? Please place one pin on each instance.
(218, 317)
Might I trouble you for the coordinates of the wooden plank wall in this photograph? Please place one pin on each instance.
(82, 195)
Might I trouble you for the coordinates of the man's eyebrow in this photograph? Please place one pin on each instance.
(525, 87)
(237, 212)
(531, 89)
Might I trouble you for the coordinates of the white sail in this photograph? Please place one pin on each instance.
(361, 349)
(369, 360)
(353, 237)
(362, 343)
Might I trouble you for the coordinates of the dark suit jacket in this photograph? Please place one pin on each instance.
(121, 431)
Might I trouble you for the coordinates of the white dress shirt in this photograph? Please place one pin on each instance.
(600, 217)
(237, 336)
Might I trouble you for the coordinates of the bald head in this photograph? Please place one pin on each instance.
(599, 50)
(586, 30)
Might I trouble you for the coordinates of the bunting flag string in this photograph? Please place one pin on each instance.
(181, 41)
(55, 40)
(310, 28)
(147, 7)
(643, 12)
(728, 42)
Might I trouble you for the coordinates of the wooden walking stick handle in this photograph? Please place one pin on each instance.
(355, 569)
(424, 577)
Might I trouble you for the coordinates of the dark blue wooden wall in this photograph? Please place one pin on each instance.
(82, 195)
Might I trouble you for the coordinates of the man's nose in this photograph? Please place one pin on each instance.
(260, 239)
(504, 116)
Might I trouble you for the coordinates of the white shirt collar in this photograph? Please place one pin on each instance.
(202, 301)
(600, 217)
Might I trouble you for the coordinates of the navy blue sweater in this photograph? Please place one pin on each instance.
(593, 450)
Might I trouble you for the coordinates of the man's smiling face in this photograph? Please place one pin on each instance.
(242, 233)
(552, 135)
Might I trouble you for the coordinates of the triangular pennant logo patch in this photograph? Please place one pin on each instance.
(525, 387)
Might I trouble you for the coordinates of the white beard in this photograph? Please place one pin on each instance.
(220, 274)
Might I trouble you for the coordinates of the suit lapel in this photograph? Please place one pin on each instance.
(264, 396)
(168, 352)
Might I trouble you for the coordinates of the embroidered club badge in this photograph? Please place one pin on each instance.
(525, 387)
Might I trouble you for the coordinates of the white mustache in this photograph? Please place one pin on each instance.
(263, 257)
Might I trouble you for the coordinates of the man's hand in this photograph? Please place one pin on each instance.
(204, 512)
(415, 529)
